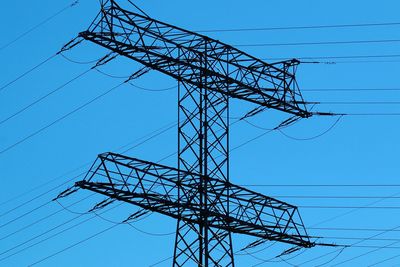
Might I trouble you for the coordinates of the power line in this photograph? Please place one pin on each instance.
(134, 227)
(353, 229)
(151, 137)
(361, 238)
(357, 103)
(112, 76)
(302, 27)
(37, 197)
(59, 119)
(154, 90)
(321, 43)
(42, 219)
(100, 62)
(66, 47)
(348, 207)
(38, 236)
(53, 235)
(336, 197)
(333, 63)
(43, 97)
(25, 214)
(356, 243)
(372, 114)
(79, 62)
(376, 248)
(74, 245)
(384, 260)
(38, 25)
(353, 210)
(147, 138)
(350, 89)
(27, 72)
(137, 86)
(315, 136)
(42, 185)
(335, 57)
(321, 185)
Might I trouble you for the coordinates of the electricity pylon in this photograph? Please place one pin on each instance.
(198, 194)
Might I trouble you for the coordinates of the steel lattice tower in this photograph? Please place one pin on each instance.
(197, 193)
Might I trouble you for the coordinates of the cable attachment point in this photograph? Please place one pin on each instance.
(104, 60)
(289, 251)
(74, 3)
(136, 215)
(331, 245)
(287, 122)
(319, 62)
(253, 112)
(74, 42)
(254, 244)
(328, 114)
(66, 192)
(138, 74)
(102, 204)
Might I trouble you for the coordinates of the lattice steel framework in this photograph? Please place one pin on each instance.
(197, 193)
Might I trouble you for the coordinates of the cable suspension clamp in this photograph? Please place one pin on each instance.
(254, 244)
(66, 192)
(102, 204)
(136, 215)
(104, 60)
(74, 42)
(289, 251)
(138, 74)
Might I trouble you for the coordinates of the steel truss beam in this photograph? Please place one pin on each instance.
(178, 53)
(156, 187)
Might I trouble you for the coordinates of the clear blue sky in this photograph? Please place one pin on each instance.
(358, 150)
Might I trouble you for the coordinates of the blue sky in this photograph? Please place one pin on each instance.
(358, 150)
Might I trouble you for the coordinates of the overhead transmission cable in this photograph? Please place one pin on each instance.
(142, 140)
(74, 245)
(24, 214)
(51, 236)
(384, 260)
(135, 143)
(333, 197)
(389, 246)
(4, 150)
(37, 197)
(48, 216)
(43, 218)
(349, 89)
(66, 47)
(75, 3)
(352, 245)
(100, 62)
(321, 185)
(335, 57)
(321, 43)
(137, 86)
(151, 136)
(355, 25)
(27, 72)
(28, 241)
(42, 98)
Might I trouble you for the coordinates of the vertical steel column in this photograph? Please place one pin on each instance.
(203, 149)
